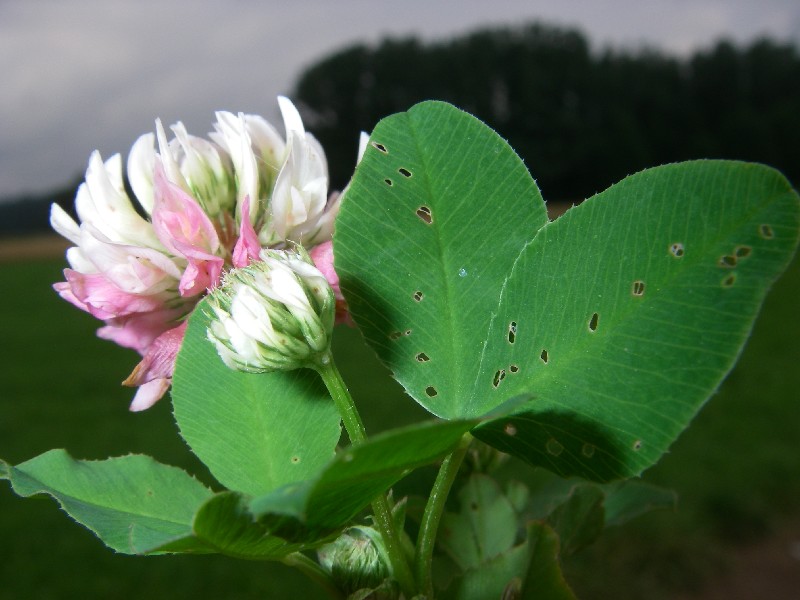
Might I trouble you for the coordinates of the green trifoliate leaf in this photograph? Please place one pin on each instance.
(544, 577)
(485, 527)
(496, 549)
(225, 525)
(626, 500)
(620, 318)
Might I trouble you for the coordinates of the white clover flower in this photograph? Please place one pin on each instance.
(275, 314)
(142, 269)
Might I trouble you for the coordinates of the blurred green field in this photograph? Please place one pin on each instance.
(737, 469)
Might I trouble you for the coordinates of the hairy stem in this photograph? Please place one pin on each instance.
(429, 526)
(380, 506)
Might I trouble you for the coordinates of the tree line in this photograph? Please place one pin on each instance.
(580, 119)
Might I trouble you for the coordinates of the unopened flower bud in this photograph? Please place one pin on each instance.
(275, 314)
(357, 560)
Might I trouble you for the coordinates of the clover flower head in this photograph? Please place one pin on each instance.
(199, 207)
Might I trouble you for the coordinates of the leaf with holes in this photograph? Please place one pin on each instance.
(132, 503)
(630, 309)
(434, 218)
(255, 432)
(620, 318)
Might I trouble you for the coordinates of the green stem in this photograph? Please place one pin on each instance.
(433, 515)
(314, 572)
(344, 402)
(380, 506)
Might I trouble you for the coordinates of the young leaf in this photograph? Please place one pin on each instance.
(132, 503)
(580, 519)
(630, 309)
(485, 526)
(545, 578)
(482, 540)
(498, 577)
(255, 433)
(434, 218)
(626, 500)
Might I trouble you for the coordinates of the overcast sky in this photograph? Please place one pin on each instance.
(94, 74)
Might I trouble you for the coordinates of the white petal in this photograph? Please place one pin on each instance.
(291, 118)
(233, 136)
(168, 159)
(141, 166)
(64, 224)
(266, 140)
(362, 145)
(113, 169)
(109, 209)
(149, 393)
(78, 260)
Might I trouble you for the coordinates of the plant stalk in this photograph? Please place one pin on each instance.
(434, 509)
(354, 426)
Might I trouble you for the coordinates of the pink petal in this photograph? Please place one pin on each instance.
(95, 294)
(153, 375)
(159, 360)
(65, 291)
(185, 230)
(149, 393)
(247, 246)
(139, 331)
(203, 272)
(322, 255)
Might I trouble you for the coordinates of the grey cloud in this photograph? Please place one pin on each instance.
(91, 74)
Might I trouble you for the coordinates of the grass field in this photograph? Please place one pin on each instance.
(737, 469)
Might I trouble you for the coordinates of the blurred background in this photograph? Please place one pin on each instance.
(586, 92)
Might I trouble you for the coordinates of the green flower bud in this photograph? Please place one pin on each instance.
(357, 561)
(275, 314)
